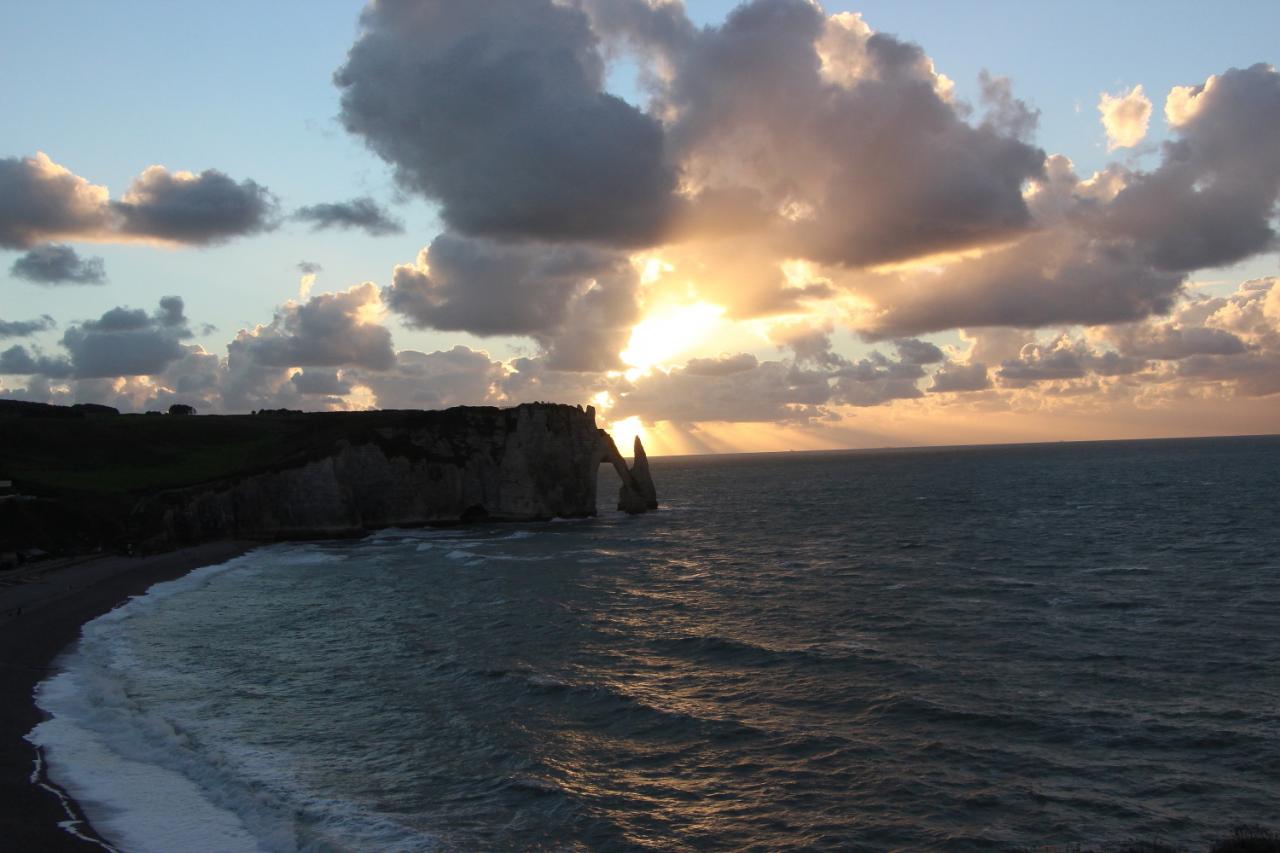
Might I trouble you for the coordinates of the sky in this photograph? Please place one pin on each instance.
(728, 226)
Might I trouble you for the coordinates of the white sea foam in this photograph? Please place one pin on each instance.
(135, 803)
(148, 783)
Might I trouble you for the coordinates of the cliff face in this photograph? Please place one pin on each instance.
(532, 462)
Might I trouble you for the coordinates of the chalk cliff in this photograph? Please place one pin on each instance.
(531, 462)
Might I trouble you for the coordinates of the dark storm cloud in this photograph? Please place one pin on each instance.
(496, 110)
(199, 209)
(578, 302)
(40, 199)
(362, 213)
(309, 267)
(55, 263)
(25, 328)
(328, 330)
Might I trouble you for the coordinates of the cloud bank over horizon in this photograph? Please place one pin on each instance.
(772, 237)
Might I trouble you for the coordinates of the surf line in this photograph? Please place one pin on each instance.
(76, 818)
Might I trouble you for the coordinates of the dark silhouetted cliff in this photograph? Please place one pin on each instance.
(159, 481)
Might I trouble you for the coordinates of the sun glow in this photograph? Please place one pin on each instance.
(626, 431)
(666, 333)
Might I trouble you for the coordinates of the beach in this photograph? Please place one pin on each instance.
(39, 619)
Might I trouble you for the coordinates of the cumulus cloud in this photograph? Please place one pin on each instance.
(809, 343)
(41, 201)
(723, 365)
(956, 377)
(328, 330)
(786, 165)
(529, 380)
(577, 302)
(497, 111)
(309, 270)
(323, 382)
(125, 342)
(362, 213)
(1212, 201)
(457, 377)
(913, 351)
(122, 342)
(739, 387)
(1169, 341)
(845, 136)
(877, 379)
(837, 143)
(55, 263)
(1056, 277)
(769, 391)
(1222, 346)
(1064, 358)
(1125, 117)
(780, 139)
(25, 328)
(17, 360)
(1229, 343)
(202, 209)
(1006, 114)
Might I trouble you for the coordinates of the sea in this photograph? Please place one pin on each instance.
(985, 648)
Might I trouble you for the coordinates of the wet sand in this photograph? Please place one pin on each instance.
(40, 616)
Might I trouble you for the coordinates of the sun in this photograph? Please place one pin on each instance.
(669, 332)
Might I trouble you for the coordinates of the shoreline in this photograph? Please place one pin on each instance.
(39, 619)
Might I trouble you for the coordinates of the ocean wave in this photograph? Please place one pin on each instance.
(152, 783)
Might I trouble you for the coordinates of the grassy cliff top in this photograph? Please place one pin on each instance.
(57, 450)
